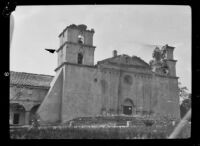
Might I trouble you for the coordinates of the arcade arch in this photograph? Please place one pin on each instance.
(17, 114)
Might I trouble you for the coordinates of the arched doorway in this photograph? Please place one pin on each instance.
(128, 107)
(17, 114)
(33, 113)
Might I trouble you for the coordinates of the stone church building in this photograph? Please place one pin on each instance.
(119, 85)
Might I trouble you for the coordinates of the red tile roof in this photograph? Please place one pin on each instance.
(30, 79)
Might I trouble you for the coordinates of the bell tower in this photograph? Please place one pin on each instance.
(76, 46)
(171, 63)
(76, 49)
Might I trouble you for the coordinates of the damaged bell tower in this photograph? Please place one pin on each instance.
(76, 45)
(163, 61)
(76, 48)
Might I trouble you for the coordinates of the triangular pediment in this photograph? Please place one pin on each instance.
(126, 60)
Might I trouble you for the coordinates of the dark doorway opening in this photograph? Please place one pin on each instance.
(127, 110)
(33, 114)
(16, 118)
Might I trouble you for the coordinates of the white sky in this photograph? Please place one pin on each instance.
(129, 29)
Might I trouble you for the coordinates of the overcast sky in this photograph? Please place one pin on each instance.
(129, 29)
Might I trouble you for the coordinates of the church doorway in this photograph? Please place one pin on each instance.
(127, 110)
(128, 107)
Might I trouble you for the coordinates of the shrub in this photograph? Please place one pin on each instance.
(141, 128)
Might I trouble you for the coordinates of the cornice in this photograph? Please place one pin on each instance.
(84, 45)
(29, 86)
(75, 64)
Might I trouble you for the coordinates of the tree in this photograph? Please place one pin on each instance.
(185, 106)
(183, 92)
(185, 99)
(158, 64)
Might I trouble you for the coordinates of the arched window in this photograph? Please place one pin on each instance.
(80, 58)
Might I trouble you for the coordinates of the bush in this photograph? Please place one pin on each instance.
(89, 133)
(143, 128)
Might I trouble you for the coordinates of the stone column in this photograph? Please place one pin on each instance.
(11, 118)
(27, 117)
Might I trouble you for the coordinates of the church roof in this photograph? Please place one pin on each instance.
(30, 79)
(126, 60)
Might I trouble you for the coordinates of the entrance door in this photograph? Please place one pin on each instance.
(16, 118)
(127, 110)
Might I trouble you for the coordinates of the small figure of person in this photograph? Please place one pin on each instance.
(35, 123)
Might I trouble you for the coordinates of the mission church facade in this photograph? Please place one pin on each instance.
(120, 85)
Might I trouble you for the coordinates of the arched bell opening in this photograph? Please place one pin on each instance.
(33, 113)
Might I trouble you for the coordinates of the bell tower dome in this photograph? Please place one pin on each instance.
(76, 45)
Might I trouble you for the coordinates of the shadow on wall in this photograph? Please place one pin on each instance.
(104, 86)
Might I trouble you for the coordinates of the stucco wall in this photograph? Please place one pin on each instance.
(109, 85)
(72, 35)
(88, 38)
(90, 91)
(166, 93)
(150, 93)
(50, 109)
(139, 91)
(25, 92)
(69, 53)
(81, 96)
